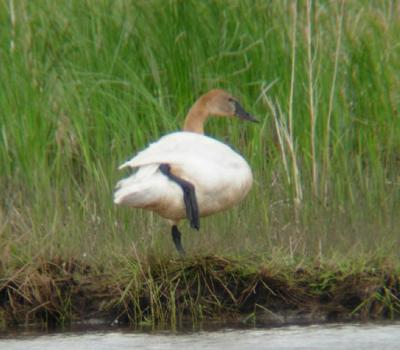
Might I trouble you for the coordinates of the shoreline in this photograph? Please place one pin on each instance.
(200, 289)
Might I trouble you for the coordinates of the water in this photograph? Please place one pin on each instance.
(334, 336)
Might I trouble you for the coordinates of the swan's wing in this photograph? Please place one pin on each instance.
(220, 175)
(178, 148)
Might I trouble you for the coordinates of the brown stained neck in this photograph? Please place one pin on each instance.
(196, 117)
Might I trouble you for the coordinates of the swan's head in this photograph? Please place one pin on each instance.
(219, 102)
(215, 102)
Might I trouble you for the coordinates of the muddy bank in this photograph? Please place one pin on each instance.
(205, 288)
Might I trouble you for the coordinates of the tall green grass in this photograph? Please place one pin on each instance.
(86, 84)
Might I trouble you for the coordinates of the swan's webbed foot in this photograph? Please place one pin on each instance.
(189, 196)
(192, 210)
(176, 237)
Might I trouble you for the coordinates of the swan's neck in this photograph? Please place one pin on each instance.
(196, 117)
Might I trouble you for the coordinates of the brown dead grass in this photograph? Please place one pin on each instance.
(62, 291)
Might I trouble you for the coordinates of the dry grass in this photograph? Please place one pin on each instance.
(208, 288)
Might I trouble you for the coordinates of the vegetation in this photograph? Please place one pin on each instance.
(84, 85)
(153, 292)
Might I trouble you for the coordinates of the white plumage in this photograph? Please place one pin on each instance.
(220, 175)
(187, 174)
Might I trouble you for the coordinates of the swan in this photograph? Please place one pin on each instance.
(186, 174)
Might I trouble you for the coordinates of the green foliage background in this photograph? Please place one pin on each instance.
(86, 84)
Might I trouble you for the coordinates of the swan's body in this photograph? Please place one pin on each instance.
(221, 176)
(187, 174)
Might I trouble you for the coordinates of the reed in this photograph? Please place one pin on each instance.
(86, 84)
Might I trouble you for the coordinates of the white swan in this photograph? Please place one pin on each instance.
(187, 174)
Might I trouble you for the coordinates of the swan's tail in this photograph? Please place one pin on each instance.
(140, 189)
(135, 195)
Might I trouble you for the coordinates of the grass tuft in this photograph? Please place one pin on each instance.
(204, 288)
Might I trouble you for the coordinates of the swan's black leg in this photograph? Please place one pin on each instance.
(189, 196)
(176, 237)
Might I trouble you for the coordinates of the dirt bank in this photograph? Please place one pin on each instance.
(62, 291)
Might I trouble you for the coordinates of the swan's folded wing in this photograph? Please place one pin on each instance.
(177, 148)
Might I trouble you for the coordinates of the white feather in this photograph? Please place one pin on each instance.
(221, 176)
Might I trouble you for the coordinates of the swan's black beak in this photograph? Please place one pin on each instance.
(242, 114)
